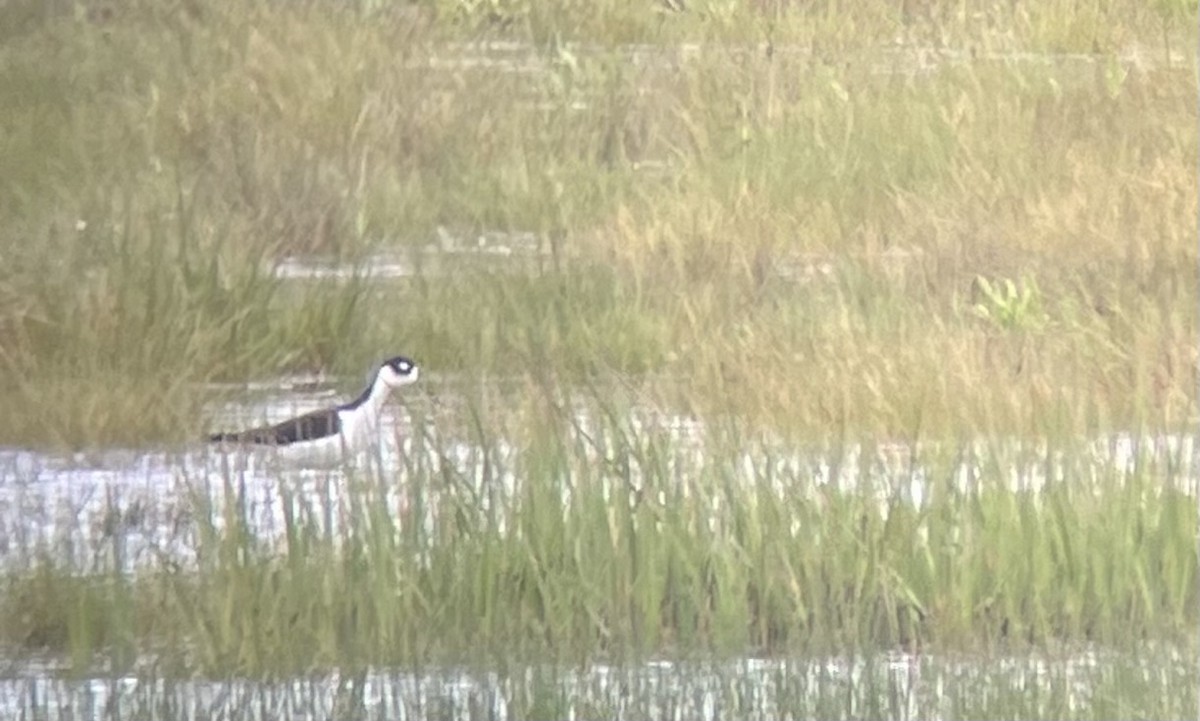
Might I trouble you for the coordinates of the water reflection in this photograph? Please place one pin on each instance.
(887, 686)
(450, 252)
(123, 509)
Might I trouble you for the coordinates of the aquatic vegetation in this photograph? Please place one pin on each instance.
(540, 534)
(854, 239)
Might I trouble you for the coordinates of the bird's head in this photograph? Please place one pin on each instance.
(398, 371)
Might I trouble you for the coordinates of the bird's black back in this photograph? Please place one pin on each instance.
(308, 427)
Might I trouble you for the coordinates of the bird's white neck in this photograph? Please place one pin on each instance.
(360, 422)
(377, 395)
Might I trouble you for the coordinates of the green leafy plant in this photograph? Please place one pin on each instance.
(1009, 305)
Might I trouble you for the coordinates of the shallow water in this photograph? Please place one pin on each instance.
(123, 509)
(1080, 683)
(900, 58)
(448, 253)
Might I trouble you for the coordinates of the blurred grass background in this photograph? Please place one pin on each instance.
(933, 218)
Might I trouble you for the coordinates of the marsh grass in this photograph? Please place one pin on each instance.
(759, 215)
(794, 237)
(609, 540)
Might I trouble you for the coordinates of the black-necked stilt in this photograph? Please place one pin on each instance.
(349, 427)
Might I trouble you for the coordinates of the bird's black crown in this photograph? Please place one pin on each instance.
(403, 366)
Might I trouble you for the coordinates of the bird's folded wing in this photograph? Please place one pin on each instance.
(308, 427)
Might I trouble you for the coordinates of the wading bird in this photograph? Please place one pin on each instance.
(349, 428)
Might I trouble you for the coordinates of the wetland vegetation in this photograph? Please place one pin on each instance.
(825, 234)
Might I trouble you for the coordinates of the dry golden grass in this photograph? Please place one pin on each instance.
(799, 233)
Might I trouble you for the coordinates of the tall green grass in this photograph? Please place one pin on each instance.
(607, 540)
